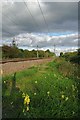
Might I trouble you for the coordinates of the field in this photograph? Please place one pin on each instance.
(49, 90)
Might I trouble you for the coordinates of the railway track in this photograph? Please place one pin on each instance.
(19, 60)
(12, 66)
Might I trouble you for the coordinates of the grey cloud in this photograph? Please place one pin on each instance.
(59, 17)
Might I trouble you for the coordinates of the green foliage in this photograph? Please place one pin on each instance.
(0, 53)
(14, 52)
(79, 51)
(10, 52)
(67, 68)
(73, 56)
(61, 54)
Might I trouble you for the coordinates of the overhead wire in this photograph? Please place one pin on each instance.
(7, 32)
(43, 16)
(7, 25)
(25, 3)
(10, 19)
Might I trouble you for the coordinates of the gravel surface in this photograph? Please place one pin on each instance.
(12, 67)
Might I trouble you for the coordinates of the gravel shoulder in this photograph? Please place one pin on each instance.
(12, 67)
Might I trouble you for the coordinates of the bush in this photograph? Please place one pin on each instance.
(67, 68)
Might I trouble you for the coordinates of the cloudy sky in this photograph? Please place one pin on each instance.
(41, 22)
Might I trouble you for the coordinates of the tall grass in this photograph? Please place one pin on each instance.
(51, 90)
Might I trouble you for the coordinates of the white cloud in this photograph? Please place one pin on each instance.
(60, 17)
(43, 40)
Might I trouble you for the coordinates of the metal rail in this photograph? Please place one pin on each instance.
(19, 60)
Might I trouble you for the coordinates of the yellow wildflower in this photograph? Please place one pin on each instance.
(27, 108)
(27, 100)
(4, 82)
(62, 96)
(34, 93)
(66, 99)
(35, 81)
(23, 110)
(73, 87)
(48, 93)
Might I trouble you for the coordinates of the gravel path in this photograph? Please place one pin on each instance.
(12, 67)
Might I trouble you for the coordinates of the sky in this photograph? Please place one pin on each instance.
(45, 23)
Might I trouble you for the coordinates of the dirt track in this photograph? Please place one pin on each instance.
(12, 67)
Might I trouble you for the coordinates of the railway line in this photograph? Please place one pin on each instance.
(18, 60)
(12, 66)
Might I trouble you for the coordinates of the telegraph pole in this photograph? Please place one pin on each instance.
(37, 52)
(54, 48)
(13, 42)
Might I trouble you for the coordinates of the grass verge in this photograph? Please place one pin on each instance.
(48, 91)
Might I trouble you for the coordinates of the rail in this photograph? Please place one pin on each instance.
(18, 60)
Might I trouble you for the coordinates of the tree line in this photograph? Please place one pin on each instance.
(73, 57)
(15, 52)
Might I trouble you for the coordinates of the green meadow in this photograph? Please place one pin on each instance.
(45, 91)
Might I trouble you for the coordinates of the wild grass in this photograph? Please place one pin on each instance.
(52, 93)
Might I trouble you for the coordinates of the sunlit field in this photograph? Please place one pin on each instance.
(44, 91)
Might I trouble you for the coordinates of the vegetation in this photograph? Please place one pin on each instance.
(14, 52)
(73, 57)
(45, 91)
(61, 54)
(0, 53)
